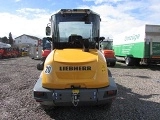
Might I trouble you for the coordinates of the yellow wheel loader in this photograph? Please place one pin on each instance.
(75, 72)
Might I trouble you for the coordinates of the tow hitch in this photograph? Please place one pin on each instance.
(75, 97)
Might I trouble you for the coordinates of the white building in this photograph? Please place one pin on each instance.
(27, 40)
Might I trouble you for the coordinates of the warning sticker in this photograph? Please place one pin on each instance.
(48, 69)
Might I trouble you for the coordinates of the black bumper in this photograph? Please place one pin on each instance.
(64, 97)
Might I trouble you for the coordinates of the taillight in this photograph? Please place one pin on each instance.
(39, 101)
(110, 93)
(39, 94)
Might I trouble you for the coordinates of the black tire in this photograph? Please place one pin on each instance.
(137, 62)
(112, 64)
(148, 62)
(40, 66)
(129, 61)
(109, 73)
(108, 64)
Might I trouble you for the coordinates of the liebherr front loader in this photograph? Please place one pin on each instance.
(75, 73)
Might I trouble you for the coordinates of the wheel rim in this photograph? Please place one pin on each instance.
(127, 61)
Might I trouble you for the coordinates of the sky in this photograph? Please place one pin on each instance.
(31, 16)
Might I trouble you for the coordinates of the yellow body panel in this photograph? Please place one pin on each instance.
(74, 56)
(73, 67)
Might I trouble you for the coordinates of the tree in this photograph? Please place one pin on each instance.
(10, 38)
(5, 40)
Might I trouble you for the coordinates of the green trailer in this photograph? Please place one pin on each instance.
(138, 46)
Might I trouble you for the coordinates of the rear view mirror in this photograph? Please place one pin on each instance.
(101, 38)
(48, 30)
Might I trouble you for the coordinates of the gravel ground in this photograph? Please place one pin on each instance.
(138, 94)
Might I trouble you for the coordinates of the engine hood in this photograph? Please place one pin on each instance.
(74, 67)
(75, 56)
